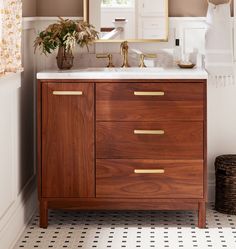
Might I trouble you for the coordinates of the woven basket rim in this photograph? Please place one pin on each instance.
(226, 161)
(227, 156)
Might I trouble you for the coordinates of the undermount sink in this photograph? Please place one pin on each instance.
(124, 73)
(122, 70)
(97, 69)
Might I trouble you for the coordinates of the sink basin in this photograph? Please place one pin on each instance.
(123, 70)
(97, 69)
(132, 73)
(113, 73)
(137, 70)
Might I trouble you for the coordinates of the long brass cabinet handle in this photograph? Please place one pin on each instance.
(149, 132)
(149, 93)
(149, 171)
(68, 93)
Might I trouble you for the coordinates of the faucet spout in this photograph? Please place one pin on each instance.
(124, 49)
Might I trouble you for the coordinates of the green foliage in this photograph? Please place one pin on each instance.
(66, 33)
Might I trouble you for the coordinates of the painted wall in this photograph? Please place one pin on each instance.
(29, 7)
(75, 7)
(60, 7)
(178, 8)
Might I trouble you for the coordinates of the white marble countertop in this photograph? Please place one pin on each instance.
(124, 73)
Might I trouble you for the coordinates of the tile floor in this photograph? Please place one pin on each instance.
(130, 230)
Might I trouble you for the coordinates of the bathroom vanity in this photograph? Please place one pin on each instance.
(122, 139)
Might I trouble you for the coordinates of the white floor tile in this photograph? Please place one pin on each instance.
(130, 230)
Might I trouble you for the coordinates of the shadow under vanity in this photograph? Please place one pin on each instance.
(122, 141)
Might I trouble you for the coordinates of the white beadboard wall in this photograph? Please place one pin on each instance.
(17, 157)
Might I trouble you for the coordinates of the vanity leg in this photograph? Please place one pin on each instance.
(43, 223)
(202, 215)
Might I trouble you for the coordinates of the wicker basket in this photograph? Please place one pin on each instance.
(226, 184)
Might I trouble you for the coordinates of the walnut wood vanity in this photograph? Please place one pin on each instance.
(122, 145)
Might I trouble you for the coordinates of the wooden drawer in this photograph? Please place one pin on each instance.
(181, 140)
(176, 179)
(133, 102)
(172, 91)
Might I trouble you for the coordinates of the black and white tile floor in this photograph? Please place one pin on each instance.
(130, 230)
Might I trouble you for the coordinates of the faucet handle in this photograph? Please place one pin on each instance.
(143, 57)
(124, 47)
(104, 56)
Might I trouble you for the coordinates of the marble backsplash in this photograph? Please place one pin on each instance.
(84, 60)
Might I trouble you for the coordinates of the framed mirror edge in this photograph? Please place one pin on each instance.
(86, 10)
(86, 18)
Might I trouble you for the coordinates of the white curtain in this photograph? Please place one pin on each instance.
(10, 35)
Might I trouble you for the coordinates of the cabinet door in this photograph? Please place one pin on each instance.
(68, 140)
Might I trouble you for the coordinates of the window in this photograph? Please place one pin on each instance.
(117, 3)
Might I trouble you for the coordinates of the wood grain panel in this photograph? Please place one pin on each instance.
(123, 204)
(149, 110)
(181, 179)
(66, 174)
(39, 139)
(68, 141)
(117, 102)
(172, 91)
(182, 140)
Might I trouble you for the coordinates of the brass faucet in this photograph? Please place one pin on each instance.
(124, 50)
(142, 59)
(109, 56)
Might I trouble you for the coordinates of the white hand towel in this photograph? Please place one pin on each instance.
(219, 44)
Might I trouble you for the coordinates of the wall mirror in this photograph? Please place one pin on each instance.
(132, 20)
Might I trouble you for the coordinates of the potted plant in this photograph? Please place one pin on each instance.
(64, 35)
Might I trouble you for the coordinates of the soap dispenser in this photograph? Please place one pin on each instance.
(177, 55)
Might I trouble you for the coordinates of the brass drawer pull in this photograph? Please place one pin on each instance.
(149, 132)
(149, 171)
(149, 93)
(68, 93)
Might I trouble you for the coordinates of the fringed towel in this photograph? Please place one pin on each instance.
(219, 45)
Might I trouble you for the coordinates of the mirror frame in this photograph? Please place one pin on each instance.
(86, 18)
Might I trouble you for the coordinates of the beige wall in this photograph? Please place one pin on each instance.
(29, 7)
(190, 7)
(60, 8)
(75, 7)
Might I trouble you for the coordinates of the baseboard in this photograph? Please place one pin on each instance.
(211, 192)
(19, 215)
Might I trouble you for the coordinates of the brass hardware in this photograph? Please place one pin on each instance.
(149, 93)
(68, 93)
(149, 132)
(149, 171)
(142, 58)
(103, 56)
(124, 50)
